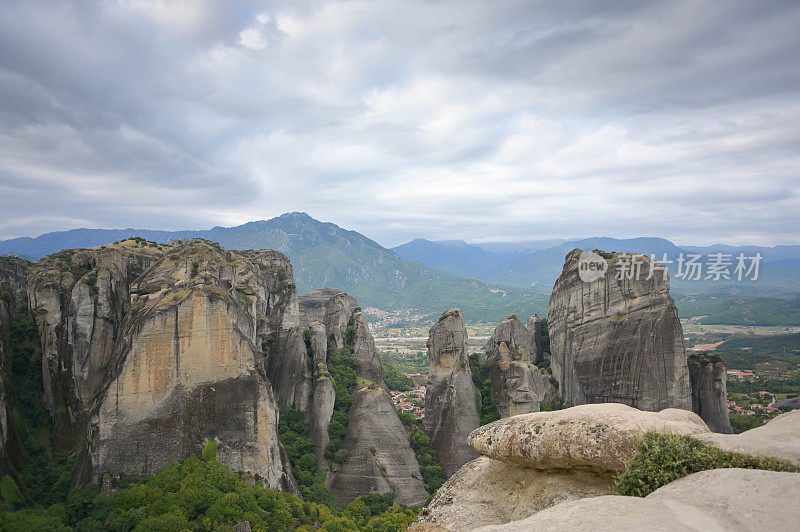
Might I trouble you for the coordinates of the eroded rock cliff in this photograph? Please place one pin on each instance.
(450, 399)
(708, 375)
(517, 385)
(618, 339)
(150, 351)
(377, 455)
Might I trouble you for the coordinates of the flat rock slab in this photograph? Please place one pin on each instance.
(485, 491)
(598, 437)
(779, 438)
(720, 499)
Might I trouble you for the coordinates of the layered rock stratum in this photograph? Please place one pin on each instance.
(708, 375)
(618, 338)
(451, 413)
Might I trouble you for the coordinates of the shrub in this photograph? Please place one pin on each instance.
(210, 450)
(664, 457)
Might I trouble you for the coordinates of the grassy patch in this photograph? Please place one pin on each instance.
(664, 457)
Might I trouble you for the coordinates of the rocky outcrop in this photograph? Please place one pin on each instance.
(789, 402)
(719, 499)
(163, 361)
(378, 455)
(535, 327)
(13, 273)
(79, 299)
(517, 385)
(617, 338)
(486, 491)
(708, 376)
(779, 438)
(598, 437)
(285, 354)
(450, 405)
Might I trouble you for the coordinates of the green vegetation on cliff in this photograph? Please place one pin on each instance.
(663, 457)
(198, 494)
(340, 366)
(483, 384)
(295, 435)
(432, 473)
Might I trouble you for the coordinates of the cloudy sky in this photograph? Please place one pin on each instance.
(475, 120)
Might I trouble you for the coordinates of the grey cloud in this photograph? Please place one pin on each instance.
(444, 119)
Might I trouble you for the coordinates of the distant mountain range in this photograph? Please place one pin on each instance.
(487, 281)
(324, 254)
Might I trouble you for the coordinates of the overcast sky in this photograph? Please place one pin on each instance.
(482, 121)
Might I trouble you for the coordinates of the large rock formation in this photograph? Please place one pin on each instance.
(13, 272)
(186, 367)
(719, 499)
(517, 385)
(708, 375)
(79, 299)
(617, 338)
(377, 453)
(450, 405)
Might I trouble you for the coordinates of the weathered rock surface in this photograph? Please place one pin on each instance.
(486, 491)
(374, 425)
(79, 299)
(450, 409)
(779, 438)
(618, 340)
(720, 499)
(379, 457)
(186, 367)
(517, 385)
(535, 327)
(598, 437)
(708, 376)
(791, 402)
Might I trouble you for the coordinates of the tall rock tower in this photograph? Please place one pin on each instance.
(450, 409)
(617, 338)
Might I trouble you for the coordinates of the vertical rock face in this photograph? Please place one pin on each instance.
(285, 354)
(13, 273)
(378, 454)
(517, 385)
(450, 404)
(79, 299)
(153, 350)
(708, 375)
(536, 343)
(618, 340)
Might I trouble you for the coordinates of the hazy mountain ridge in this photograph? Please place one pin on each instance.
(324, 254)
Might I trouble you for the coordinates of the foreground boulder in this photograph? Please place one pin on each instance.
(517, 385)
(617, 338)
(486, 491)
(708, 375)
(450, 409)
(598, 437)
(779, 438)
(720, 499)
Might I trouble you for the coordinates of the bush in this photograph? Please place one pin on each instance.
(210, 450)
(664, 457)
